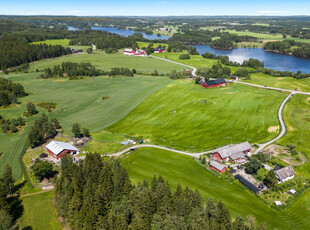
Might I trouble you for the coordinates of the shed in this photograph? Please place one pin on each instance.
(247, 183)
(278, 203)
(216, 166)
(292, 191)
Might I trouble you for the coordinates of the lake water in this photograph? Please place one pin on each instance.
(271, 60)
(127, 33)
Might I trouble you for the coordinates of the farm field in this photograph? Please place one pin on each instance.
(297, 120)
(62, 42)
(183, 170)
(280, 82)
(196, 60)
(39, 212)
(189, 117)
(101, 60)
(77, 101)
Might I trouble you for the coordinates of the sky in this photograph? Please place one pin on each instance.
(154, 7)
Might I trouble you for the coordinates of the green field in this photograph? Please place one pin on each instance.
(180, 169)
(189, 117)
(280, 82)
(196, 60)
(101, 60)
(39, 212)
(77, 101)
(297, 120)
(62, 42)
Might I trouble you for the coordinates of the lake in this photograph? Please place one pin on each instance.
(274, 61)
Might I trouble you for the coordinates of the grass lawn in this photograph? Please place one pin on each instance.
(104, 61)
(196, 60)
(183, 170)
(189, 117)
(39, 212)
(280, 82)
(77, 101)
(297, 120)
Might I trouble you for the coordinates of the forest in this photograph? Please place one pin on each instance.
(10, 91)
(298, 49)
(97, 194)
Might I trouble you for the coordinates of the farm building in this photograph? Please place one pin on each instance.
(285, 174)
(234, 77)
(159, 50)
(57, 149)
(132, 52)
(218, 167)
(236, 152)
(214, 83)
(247, 183)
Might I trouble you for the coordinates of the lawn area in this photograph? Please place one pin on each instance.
(62, 42)
(297, 120)
(196, 60)
(39, 212)
(183, 170)
(280, 82)
(77, 101)
(145, 44)
(189, 117)
(101, 60)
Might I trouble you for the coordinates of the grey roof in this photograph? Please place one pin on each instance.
(285, 172)
(215, 82)
(57, 147)
(231, 150)
(217, 165)
(237, 155)
(247, 183)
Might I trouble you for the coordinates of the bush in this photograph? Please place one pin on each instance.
(42, 169)
(184, 56)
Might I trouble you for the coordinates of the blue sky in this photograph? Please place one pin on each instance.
(154, 7)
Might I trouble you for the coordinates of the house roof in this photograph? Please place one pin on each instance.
(234, 149)
(128, 50)
(285, 172)
(247, 183)
(217, 165)
(57, 147)
(215, 82)
(276, 168)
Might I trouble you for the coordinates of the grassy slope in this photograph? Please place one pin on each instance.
(190, 117)
(180, 169)
(280, 82)
(105, 61)
(78, 101)
(62, 42)
(39, 212)
(196, 60)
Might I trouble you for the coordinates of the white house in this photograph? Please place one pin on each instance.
(285, 174)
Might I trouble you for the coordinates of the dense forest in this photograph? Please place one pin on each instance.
(71, 70)
(289, 47)
(99, 195)
(10, 91)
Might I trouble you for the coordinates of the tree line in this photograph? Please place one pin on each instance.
(99, 195)
(10, 91)
(298, 49)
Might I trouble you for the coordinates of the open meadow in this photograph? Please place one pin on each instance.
(62, 42)
(103, 61)
(280, 82)
(183, 170)
(187, 116)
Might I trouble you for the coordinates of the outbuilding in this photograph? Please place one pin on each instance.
(218, 167)
(233, 152)
(214, 83)
(57, 149)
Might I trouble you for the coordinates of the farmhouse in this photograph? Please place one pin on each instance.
(218, 167)
(247, 183)
(234, 152)
(285, 174)
(214, 83)
(57, 149)
(159, 50)
(132, 52)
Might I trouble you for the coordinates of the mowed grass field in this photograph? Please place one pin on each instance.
(183, 170)
(62, 42)
(39, 212)
(297, 119)
(280, 82)
(78, 101)
(101, 60)
(195, 60)
(187, 116)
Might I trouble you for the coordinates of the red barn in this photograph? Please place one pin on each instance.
(233, 152)
(214, 83)
(216, 166)
(57, 149)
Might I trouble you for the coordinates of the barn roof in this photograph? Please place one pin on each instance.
(215, 82)
(128, 50)
(247, 183)
(57, 147)
(217, 165)
(285, 172)
(237, 156)
(234, 149)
